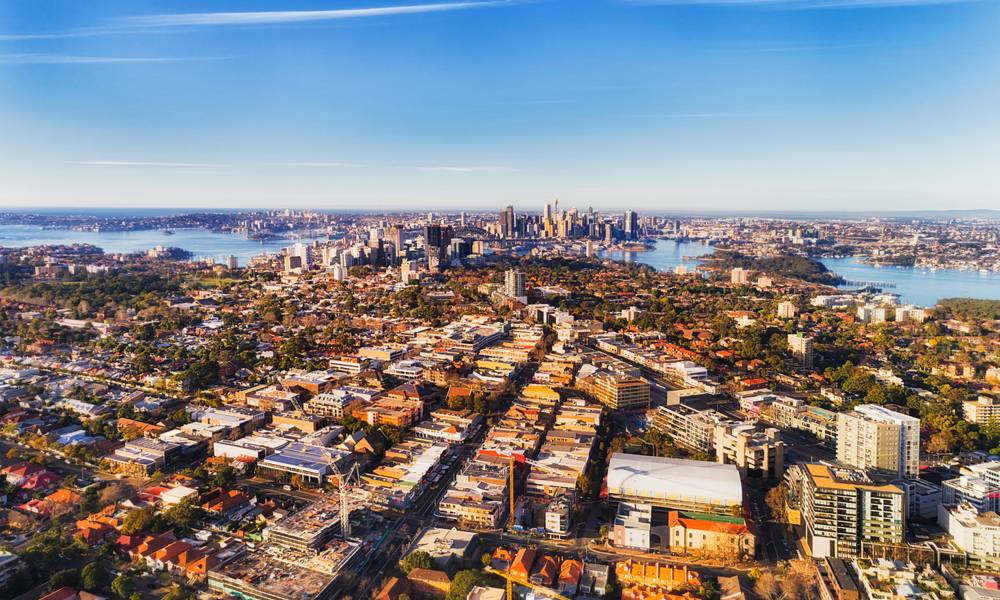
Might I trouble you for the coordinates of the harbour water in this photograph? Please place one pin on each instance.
(201, 242)
(922, 287)
(667, 255)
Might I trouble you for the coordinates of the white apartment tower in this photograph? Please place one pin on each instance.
(787, 310)
(874, 437)
(514, 284)
(801, 347)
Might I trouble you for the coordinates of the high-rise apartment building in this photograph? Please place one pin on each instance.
(801, 347)
(874, 437)
(843, 510)
(514, 284)
(739, 276)
(982, 410)
(787, 309)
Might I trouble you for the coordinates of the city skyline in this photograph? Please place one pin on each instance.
(658, 106)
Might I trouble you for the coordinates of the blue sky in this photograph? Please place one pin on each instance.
(657, 105)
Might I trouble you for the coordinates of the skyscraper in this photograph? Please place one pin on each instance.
(437, 238)
(396, 237)
(631, 225)
(507, 226)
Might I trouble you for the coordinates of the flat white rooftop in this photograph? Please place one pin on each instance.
(665, 478)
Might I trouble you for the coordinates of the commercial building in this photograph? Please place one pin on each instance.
(405, 472)
(142, 456)
(616, 390)
(844, 511)
(311, 382)
(453, 427)
(312, 465)
(975, 533)
(445, 545)
(645, 527)
(633, 528)
(972, 491)
(874, 437)
(338, 402)
(675, 483)
(922, 498)
(254, 447)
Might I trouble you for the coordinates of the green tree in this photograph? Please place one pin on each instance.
(415, 560)
(123, 585)
(94, 576)
(139, 520)
(225, 477)
(63, 578)
(185, 515)
(177, 592)
(463, 583)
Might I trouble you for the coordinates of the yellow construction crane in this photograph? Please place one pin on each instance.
(511, 580)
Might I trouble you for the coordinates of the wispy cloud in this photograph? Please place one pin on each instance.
(791, 48)
(300, 16)
(462, 168)
(148, 163)
(70, 59)
(319, 165)
(168, 21)
(14, 37)
(799, 4)
(695, 115)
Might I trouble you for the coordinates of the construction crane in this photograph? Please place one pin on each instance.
(511, 580)
(353, 474)
(513, 458)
